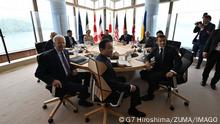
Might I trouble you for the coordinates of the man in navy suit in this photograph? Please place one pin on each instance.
(70, 41)
(166, 63)
(54, 69)
(125, 38)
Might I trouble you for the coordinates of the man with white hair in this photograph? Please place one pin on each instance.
(55, 70)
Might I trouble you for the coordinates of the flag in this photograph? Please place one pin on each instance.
(125, 24)
(100, 28)
(144, 25)
(95, 29)
(133, 28)
(80, 31)
(87, 22)
(110, 25)
(116, 36)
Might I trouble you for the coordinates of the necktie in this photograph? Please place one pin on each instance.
(161, 55)
(65, 63)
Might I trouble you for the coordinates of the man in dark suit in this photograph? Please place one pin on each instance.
(70, 41)
(205, 29)
(55, 70)
(148, 40)
(50, 45)
(195, 41)
(165, 61)
(106, 49)
(212, 53)
(106, 35)
(125, 38)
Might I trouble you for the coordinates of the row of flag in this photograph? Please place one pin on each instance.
(98, 37)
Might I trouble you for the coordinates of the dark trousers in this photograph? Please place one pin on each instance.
(153, 77)
(200, 55)
(213, 59)
(135, 99)
(195, 48)
(74, 84)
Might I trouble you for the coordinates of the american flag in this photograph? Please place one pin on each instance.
(116, 37)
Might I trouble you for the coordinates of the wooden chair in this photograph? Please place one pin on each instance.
(101, 90)
(170, 87)
(58, 100)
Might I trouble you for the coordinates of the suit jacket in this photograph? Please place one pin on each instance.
(127, 39)
(212, 42)
(110, 76)
(49, 45)
(171, 61)
(50, 67)
(69, 43)
(203, 34)
(109, 37)
(150, 42)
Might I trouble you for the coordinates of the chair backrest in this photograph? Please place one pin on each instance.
(175, 44)
(186, 58)
(40, 46)
(101, 88)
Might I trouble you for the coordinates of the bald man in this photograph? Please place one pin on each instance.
(55, 70)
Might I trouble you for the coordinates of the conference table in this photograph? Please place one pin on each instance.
(135, 63)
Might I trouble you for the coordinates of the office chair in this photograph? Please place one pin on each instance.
(101, 90)
(58, 98)
(39, 46)
(171, 86)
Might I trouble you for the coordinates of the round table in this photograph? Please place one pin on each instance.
(122, 50)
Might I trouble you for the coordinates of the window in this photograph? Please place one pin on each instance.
(16, 25)
(46, 18)
(162, 17)
(188, 16)
(139, 21)
(140, 1)
(87, 3)
(70, 19)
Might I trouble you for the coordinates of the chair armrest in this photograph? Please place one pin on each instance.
(119, 100)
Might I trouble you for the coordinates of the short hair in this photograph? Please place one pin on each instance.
(161, 36)
(88, 31)
(106, 29)
(103, 43)
(205, 14)
(69, 31)
(58, 36)
(160, 32)
(208, 17)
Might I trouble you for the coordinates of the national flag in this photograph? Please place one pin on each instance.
(144, 25)
(110, 25)
(87, 22)
(95, 29)
(100, 28)
(116, 36)
(125, 24)
(80, 31)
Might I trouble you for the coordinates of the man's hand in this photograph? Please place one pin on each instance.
(57, 84)
(169, 74)
(147, 65)
(205, 54)
(133, 88)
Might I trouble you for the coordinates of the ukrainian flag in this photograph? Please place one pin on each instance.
(144, 25)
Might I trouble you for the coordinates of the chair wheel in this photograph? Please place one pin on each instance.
(38, 81)
(186, 103)
(172, 108)
(50, 120)
(75, 111)
(87, 120)
(64, 103)
(44, 106)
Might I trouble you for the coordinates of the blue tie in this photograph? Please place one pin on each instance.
(66, 64)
